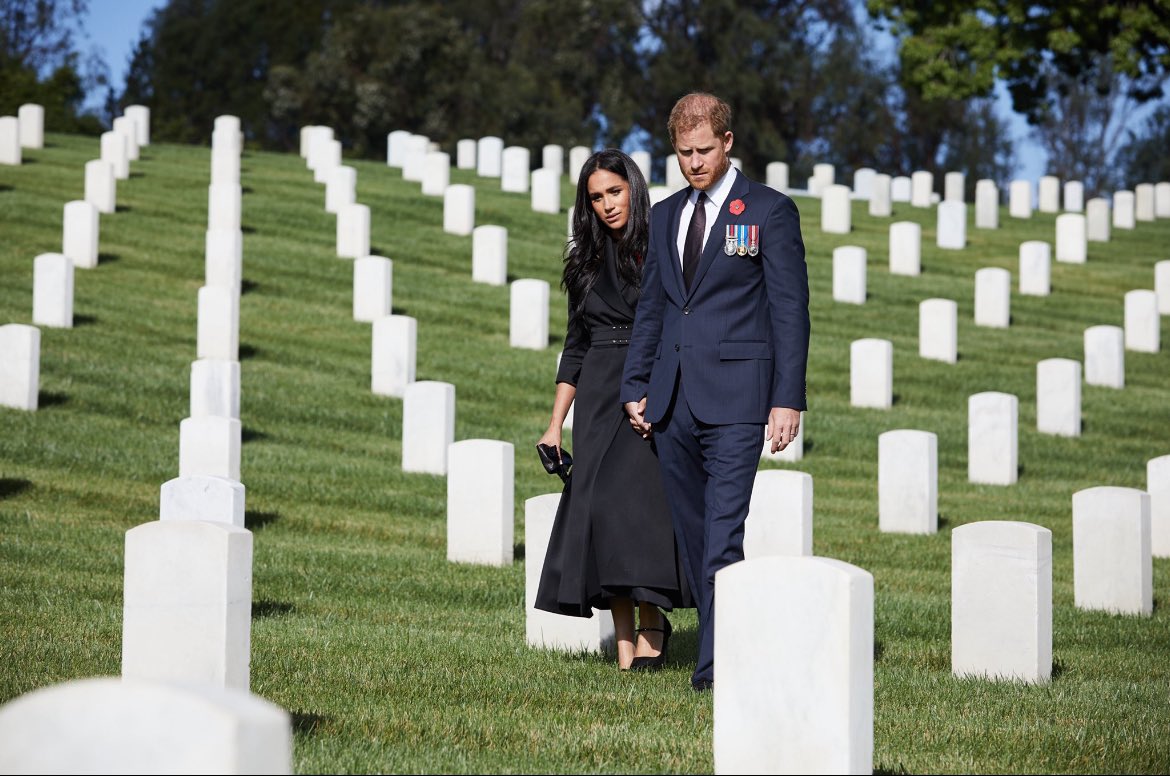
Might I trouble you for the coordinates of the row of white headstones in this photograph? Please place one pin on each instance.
(188, 577)
(488, 472)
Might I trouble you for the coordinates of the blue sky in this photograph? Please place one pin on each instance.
(113, 27)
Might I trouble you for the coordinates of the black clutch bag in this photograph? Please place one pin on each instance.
(555, 461)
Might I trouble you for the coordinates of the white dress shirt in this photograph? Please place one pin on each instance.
(716, 196)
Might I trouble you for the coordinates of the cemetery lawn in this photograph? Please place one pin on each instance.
(391, 659)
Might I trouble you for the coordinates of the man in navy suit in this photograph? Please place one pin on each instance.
(719, 346)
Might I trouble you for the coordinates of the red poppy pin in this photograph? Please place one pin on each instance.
(736, 207)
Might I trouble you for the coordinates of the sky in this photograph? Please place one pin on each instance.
(114, 26)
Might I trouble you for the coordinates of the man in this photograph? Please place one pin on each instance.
(719, 346)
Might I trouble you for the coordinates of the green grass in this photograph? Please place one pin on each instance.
(393, 660)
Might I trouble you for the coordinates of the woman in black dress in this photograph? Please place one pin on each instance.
(612, 542)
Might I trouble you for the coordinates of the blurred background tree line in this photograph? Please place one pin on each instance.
(808, 80)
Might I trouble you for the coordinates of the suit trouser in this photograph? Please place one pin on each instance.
(709, 472)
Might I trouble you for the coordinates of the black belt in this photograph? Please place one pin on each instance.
(600, 336)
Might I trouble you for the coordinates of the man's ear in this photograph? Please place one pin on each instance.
(728, 139)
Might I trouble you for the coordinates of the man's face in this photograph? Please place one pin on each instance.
(703, 156)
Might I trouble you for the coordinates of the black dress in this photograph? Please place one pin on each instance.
(612, 535)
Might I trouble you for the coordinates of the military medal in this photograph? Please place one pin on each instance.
(753, 240)
(741, 235)
(729, 240)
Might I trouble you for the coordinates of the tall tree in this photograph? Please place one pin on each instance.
(1144, 158)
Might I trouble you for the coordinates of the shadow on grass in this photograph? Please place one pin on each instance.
(270, 609)
(247, 351)
(248, 286)
(254, 520)
(395, 310)
(251, 435)
(51, 399)
(136, 174)
(11, 486)
(248, 229)
(306, 722)
(108, 258)
(518, 551)
(84, 320)
(1058, 668)
(555, 338)
(888, 770)
(246, 189)
(123, 209)
(5, 187)
(943, 521)
(879, 649)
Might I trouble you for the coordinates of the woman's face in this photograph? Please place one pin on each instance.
(609, 193)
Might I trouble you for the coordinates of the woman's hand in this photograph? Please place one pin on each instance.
(551, 437)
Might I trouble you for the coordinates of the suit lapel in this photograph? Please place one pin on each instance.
(672, 243)
(714, 246)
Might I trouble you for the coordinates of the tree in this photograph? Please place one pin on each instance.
(1144, 157)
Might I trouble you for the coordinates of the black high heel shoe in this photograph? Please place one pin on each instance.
(658, 661)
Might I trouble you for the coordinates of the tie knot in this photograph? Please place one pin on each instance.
(702, 200)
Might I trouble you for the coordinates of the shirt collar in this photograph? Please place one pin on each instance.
(717, 193)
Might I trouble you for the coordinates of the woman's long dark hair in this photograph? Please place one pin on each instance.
(585, 252)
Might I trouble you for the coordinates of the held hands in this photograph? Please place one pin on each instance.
(783, 424)
(636, 410)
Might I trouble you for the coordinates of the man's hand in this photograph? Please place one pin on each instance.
(636, 410)
(783, 424)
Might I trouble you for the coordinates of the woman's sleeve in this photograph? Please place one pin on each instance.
(576, 344)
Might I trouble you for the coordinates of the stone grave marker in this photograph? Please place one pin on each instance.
(489, 255)
(480, 483)
(1123, 210)
(1058, 397)
(465, 154)
(1158, 486)
(993, 297)
(396, 147)
(952, 225)
(986, 204)
(529, 314)
(578, 155)
(905, 248)
(20, 366)
(140, 115)
(863, 182)
(10, 152)
(1097, 220)
(340, 188)
(1048, 194)
(101, 186)
(224, 206)
(824, 175)
(849, 274)
(489, 157)
(921, 187)
(879, 201)
(1035, 268)
(871, 373)
(223, 258)
(954, 187)
(908, 482)
(53, 291)
(125, 125)
(836, 213)
(1143, 193)
(373, 288)
(200, 497)
(992, 438)
(215, 388)
(938, 330)
(394, 353)
(79, 237)
(644, 162)
(1112, 559)
(515, 170)
(218, 329)
(353, 231)
(414, 157)
(436, 173)
(1162, 286)
(780, 515)
(1162, 199)
(1020, 199)
(459, 209)
(552, 157)
(428, 426)
(1105, 356)
(1142, 323)
(1071, 241)
(31, 120)
(546, 190)
(210, 445)
(1074, 197)
(776, 175)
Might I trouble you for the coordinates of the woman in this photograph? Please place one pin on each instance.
(612, 543)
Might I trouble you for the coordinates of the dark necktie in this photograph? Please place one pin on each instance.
(693, 246)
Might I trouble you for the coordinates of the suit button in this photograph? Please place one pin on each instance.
(676, 348)
(686, 311)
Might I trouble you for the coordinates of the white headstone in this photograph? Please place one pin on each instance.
(1074, 197)
(545, 630)
(675, 179)
(489, 255)
(489, 157)
(111, 725)
(952, 225)
(644, 162)
(1142, 323)
(396, 147)
(373, 288)
(223, 258)
(32, 125)
(224, 206)
(780, 515)
(1162, 199)
(1035, 268)
(210, 445)
(1058, 397)
(578, 155)
(908, 482)
(340, 188)
(201, 497)
(993, 297)
(320, 140)
(1123, 210)
(1020, 199)
(353, 231)
(1158, 486)
(414, 157)
(125, 125)
(436, 173)
(849, 274)
(863, 182)
(836, 213)
(480, 482)
(777, 176)
(115, 150)
(938, 329)
(465, 154)
(218, 330)
(905, 248)
(1071, 242)
(10, 140)
(986, 204)
(1097, 220)
(657, 194)
(394, 355)
(20, 366)
(921, 187)
(794, 667)
(187, 604)
(1049, 194)
(225, 166)
(546, 191)
(101, 186)
(1001, 601)
(80, 234)
(515, 170)
(552, 157)
(53, 291)
(954, 185)
(215, 388)
(879, 199)
(1105, 356)
(529, 314)
(1162, 286)
(824, 176)
(871, 373)
(459, 209)
(140, 115)
(1143, 193)
(737, 163)
(428, 426)
(1112, 560)
(992, 438)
